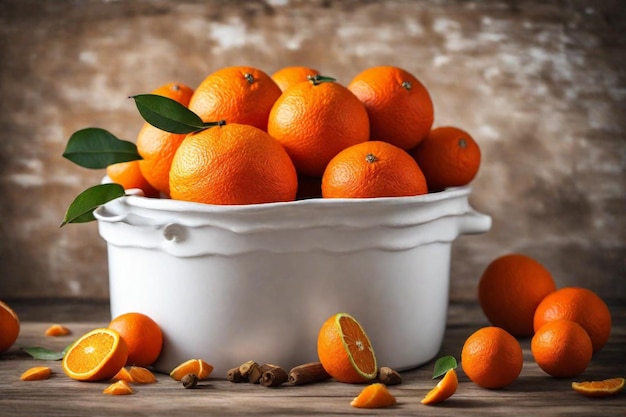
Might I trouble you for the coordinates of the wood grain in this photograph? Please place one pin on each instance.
(534, 393)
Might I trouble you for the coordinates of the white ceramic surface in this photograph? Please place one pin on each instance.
(232, 283)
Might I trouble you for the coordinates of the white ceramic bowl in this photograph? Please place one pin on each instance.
(232, 283)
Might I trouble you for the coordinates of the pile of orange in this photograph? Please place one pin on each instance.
(299, 134)
(520, 299)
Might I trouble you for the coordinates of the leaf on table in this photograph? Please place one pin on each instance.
(44, 354)
(97, 148)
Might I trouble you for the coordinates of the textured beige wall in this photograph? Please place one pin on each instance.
(542, 88)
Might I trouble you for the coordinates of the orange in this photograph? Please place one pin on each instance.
(129, 176)
(9, 327)
(232, 164)
(580, 305)
(345, 351)
(289, 76)
(374, 396)
(510, 289)
(193, 366)
(449, 157)
(315, 121)
(602, 388)
(157, 147)
(142, 335)
(240, 94)
(36, 373)
(97, 355)
(443, 390)
(399, 106)
(492, 358)
(562, 348)
(120, 387)
(372, 169)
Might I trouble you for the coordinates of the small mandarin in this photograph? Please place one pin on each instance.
(449, 157)
(315, 121)
(232, 164)
(562, 348)
(399, 106)
(580, 305)
(9, 327)
(289, 76)
(510, 289)
(492, 358)
(345, 351)
(142, 335)
(372, 169)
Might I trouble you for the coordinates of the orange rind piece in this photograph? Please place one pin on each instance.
(36, 373)
(118, 388)
(193, 366)
(374, 396)
(603, 388)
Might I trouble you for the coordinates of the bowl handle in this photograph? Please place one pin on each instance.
(474, 222)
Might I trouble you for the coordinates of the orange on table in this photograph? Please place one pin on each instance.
(562, 348)
(9, 326)
(142, 335)
(290, 76)
(97, 355)
(345, 351)
(157, 147)
(239, 94)
(448, 156)
(443, 390)
(492, 358)
(580, 305)
(36, 373)
(232, 164)
(399, 106)
(374, 396)
(510, 289)
(129, 175)
(315, 121)
(602, 388)
(372, 169)
(192, 366)
(120, 387)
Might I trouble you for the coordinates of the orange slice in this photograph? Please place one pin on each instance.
(118, 388)
(374, 396)
(599, 388)
(36, 373)
(123, 375)
(95, 356)
(443, 390)
(345, 351)
(141, 375)
(193, 366)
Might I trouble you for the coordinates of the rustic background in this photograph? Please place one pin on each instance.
(541, 87)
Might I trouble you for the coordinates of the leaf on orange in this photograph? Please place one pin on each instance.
(36, 373)
(443, 390)
(97, 355)
(374, 396)
(599, 388)
(118, 388)
(193, 366)
(57, 330)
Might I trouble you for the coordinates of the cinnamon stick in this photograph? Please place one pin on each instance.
(274, 377)
(307, 373)
(234, 375)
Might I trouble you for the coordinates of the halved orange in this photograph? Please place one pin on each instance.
(10, 325)
(374, 396)
(193, 366)
(345, 351)
(443, 390)
(96, 356)
(599, 388)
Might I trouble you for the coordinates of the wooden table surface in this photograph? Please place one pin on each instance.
(533, 394)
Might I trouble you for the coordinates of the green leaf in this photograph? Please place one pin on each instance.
(81, 209)
(96, 148)
(44, 354)
(443, 365)
(167, 114)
